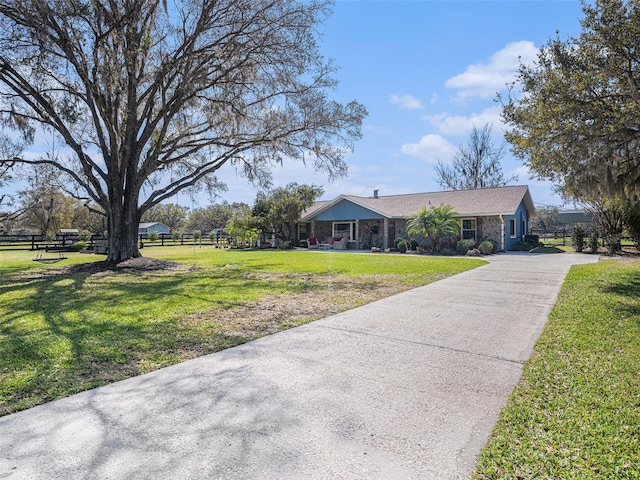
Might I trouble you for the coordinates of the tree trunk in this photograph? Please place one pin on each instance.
(123, 232)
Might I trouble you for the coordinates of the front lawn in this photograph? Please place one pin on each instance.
(63, 331)
(576, 412)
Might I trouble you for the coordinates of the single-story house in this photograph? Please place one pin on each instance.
(501, 214)
(147, 228)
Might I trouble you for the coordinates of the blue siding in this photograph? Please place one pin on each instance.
(346, 210)
(521, 214)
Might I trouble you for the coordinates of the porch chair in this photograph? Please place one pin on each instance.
(341, 244)
(312, 242)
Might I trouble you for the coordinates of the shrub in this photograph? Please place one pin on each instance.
(401, 245)
(533, 240)
(153, 236)
(593, 240)
(85, 236)
(176, 236)
(284, 244)
(523, 246)
(463, 246)
(486, 247)
(577, 237)
(197, 235)
(76, 247)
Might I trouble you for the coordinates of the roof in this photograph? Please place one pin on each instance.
(468, 203)
(150, 224)
(574, 216)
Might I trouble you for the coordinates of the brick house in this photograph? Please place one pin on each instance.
(501, 214)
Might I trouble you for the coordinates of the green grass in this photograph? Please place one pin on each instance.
(548, 249)
(61, 334)
(576, 411)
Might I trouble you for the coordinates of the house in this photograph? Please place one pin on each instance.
(147, 228)
(501, 214)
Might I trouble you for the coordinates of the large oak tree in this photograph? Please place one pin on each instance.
(576, 120)
(153, 97)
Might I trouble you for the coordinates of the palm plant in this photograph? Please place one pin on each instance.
(435, 223)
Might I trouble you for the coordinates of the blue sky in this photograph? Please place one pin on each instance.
(426, 71)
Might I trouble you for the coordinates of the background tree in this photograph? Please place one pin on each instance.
(475, 165)
(546, 217)
(46, 208)
(9, 213)
(87, 216)
(279, 210)
(242, 229)
(152, 100)
(171, 214)
(577, 120)
(214, 216)
(435, 223)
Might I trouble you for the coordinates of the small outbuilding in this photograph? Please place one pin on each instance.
(147, 228)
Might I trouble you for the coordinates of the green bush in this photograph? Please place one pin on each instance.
(78, 246)
(413, 244)
(153, 236)
(176, 236)
(594, 236)
(523, 246)
(401, 245)
(463, 246)
(486, 247)
(577, 237)
(85, 236)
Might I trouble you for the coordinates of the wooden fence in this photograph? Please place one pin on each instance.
(66, 241)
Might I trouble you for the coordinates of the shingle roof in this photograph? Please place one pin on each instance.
(471, 203)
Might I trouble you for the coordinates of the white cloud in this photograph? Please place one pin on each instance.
(485, 80)
(447, 124)
(522, 172)
(406, 102)
(430, 148)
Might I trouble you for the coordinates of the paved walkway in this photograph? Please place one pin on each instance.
(404, 388)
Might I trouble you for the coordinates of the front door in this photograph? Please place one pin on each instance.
(392, 234)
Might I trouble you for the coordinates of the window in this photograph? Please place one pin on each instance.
(343, 229)
(302, 231)
(512, 227)
(469, 228)
(524, 227)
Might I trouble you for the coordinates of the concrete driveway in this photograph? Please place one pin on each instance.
(404, 388)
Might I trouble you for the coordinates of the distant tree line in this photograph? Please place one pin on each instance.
(44, 208)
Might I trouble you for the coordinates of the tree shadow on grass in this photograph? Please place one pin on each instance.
(626, 285)
(76, 329)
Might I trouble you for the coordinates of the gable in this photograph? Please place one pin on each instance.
(345, 209)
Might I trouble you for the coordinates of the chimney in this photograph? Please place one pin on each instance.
(375, 194)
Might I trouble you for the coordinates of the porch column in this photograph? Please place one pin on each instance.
(313, 229)
(501, 232)
(386, 233)
(357, 239)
